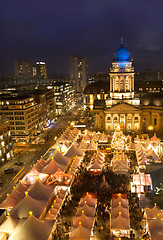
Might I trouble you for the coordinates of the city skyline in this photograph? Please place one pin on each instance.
(54, 31)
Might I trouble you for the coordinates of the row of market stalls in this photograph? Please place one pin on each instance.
(84, 219)
(56, 204)
(97, 162)
(37, 199)
(69, 135)
(119, 216)
(119, 163)
(93, 136)
(88, 146)
(154, 222)
(26, 214)
(147, 150)
(151, 154)
(141, 154)
(35, 202)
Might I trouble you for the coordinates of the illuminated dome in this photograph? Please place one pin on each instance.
(122, 54)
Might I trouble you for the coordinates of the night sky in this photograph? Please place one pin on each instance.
(53, 30)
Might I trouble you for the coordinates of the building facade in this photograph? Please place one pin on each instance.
(120, 106)
(22, 112)
(78, 72)
(46, 106)
(96, 91)
(63, 96)
(6, 144)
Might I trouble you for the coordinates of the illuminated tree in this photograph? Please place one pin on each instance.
(118, 140)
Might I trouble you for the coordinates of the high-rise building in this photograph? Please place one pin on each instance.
(23, 66)
(40, 69)
(78, 72)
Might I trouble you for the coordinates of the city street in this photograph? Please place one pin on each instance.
(30, 154)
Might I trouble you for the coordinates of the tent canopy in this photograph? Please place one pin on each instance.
(115, 212)
(60, 159)
(155, 212)
(119, 201)
(74, 151)
(85, 221)
(9, 225)
(33, 229)
(91, 202)
(120, 223)
(40, 191)
(80, 233)
(88, 211)
(21, 210)
(52, 167)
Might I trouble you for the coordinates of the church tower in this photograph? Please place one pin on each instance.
(122, 78)
(122, 75)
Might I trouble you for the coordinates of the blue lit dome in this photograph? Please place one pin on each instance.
(122, 54)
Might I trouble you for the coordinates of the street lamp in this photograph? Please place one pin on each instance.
(150, 128)
(72, 124)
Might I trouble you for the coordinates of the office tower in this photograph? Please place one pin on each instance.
(78, 72)
(23, 66)
(40, 69)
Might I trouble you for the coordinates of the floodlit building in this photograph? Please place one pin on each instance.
(63, 96)
(22, 112)
(46, 106)
(78, 72)
(6, 145)
(119, 106)
(40, 69)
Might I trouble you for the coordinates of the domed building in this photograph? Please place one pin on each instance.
(122, 54)
(152, 99)
(152, 112)
(121, 106)
(122, 78)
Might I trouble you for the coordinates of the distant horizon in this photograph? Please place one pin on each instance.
(141, 69)
(54, 30)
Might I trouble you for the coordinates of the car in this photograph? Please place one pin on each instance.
(9, 170)
(18, 163)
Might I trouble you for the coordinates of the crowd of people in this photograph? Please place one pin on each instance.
(104, 184)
